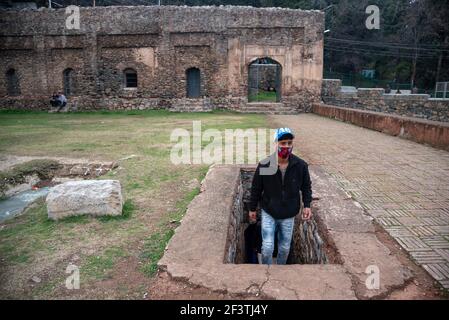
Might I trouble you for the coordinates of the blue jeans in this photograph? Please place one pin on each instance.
(285, 232)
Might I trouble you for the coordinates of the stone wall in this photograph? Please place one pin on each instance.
(238, 220)
(435, 134)
(375, 99)
(160, 43)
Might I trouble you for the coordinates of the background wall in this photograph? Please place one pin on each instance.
(375, 99)
(160, 43)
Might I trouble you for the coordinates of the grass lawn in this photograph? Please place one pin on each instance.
(117, 257)
(263, 96)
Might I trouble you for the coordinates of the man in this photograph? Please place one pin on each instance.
(62, 101)
(54, 100)
(278, 192)
(58, 101)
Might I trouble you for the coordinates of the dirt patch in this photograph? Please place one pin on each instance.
(125, 281)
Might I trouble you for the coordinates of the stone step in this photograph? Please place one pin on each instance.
(190, 109)
(266, 110)
(269, 111)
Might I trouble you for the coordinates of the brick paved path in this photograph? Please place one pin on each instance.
(402, 184)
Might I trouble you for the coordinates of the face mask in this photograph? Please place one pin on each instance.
(284, 152)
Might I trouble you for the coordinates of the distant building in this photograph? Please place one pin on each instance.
(149, 57)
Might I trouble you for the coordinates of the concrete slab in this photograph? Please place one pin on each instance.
(309, 282)
(304, 282)
(203, 231)
(337, 210)
(243, 279)
(362, 250)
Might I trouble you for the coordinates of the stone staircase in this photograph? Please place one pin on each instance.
(267, 107)
(191, 105)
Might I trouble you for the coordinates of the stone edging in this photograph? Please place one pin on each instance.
(429, 132)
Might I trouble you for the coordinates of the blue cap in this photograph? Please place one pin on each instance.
(282, 133)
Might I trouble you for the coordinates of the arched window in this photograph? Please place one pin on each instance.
(12, 83)
(193, 83)
(130, 78)
(69, 83)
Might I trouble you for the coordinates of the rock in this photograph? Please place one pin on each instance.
(86, 197)
(36, 279)
(126, 158)
(79, 170)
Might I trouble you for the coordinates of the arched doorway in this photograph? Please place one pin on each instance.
(193, 83)
(67, 76)
(264, 80)
(12, 83)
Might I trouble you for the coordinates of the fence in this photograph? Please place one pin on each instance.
(442, 90)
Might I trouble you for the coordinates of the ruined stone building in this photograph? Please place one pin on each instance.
(145, 57)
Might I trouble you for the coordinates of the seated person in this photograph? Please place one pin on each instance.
(62, 101)
(54, 101)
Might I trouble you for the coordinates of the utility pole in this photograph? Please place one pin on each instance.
(49, 4)
(93, 3)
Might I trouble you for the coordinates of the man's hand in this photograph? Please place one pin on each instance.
(306, 213)
(252, 216)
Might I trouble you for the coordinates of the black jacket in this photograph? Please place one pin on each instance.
(282, 201)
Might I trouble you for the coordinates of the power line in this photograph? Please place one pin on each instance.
(395, 50)
(391, 45)
(383, 49)
(384, 53)
(378, 52)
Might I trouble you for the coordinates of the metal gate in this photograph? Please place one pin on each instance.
(193, 83)
(264, 81)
